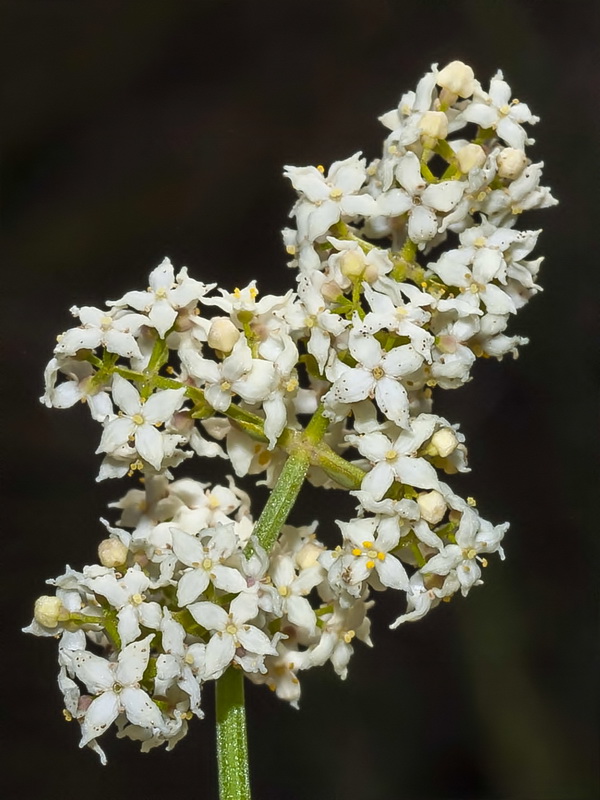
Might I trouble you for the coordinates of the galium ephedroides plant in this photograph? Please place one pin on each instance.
(408, 269)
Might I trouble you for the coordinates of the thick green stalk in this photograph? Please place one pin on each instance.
(232, 743)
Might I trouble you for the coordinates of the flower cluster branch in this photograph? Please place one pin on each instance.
(408, 269)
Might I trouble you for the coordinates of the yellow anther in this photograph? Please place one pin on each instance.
(253, 292)
(484, 562)
(381, 556)
(188, 658)
(504, 110)
(137, 419)
(471, 501)
(284, 591)
(378, 373)
(225, 386)
(357, 552)
(348, 636)
(481, 241)
(290, 250)
(106, 321)
(67, 715)
(370, 564)
(367, 545)
(291, 385)
(424, 284)
(237, 293)
(321, 168)
(335, 193)
(160, 293)
(391, 455)
(137, 599)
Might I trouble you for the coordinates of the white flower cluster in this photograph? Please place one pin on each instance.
(408, 269)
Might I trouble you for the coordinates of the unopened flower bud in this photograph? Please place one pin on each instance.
(458, 78)
(222, 334)
(434, 124)
(470, 156)
(352, 263)
(47, 611)
(444, 442)
(432, 506)
(511, 162)
(112, 553)
(308, 555)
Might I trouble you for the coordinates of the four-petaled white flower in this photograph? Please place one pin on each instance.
(324, 200)
(115, 330)
(204, 562)
(376, 375)
(165, 296)
(139, 419)
(230, 632)
(117, 690)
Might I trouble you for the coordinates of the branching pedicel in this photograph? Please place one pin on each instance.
(408, 269)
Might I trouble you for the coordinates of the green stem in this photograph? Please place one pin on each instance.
(232, 741)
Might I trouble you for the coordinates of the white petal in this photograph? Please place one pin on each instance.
(392, 399)
(408, 173)
(209, 615)
(162, 405)
(422, 224)
(126, 396)
(228, 579)
(187, 548)
(93, 670)
(416, 472)
(128, 625)
(443, 196)
(115, 434)
(140, 709)
(100, 715)
(254, 640)
(133, 661)
(163, 315)
(392, 573)
(191, 585)
(219, 654)
(149, 444)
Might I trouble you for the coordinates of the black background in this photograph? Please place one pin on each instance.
(135, 130)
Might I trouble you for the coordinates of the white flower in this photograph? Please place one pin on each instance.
(139, 419)
(420, 201)
(496, 110)
(116, 686)
(324, 200)
(79, 387)
(376, 375)
(292, 589)
(397, 460)
(230, 632)
(114, 330)
(204, 557)
(251, 378)
(127, 595)
(366, 552)
(165, 296)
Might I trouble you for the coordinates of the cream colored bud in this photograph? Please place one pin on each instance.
(434, 124)
(47, 611)
(352, 263)
(511, 162)
(308, 555)
(432, 506)
(457, 78)
(331, 290)
(444, 442)
(222, 334)
(470, 156)
(112, 553)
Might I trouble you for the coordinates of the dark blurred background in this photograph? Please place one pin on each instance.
(135, 130)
